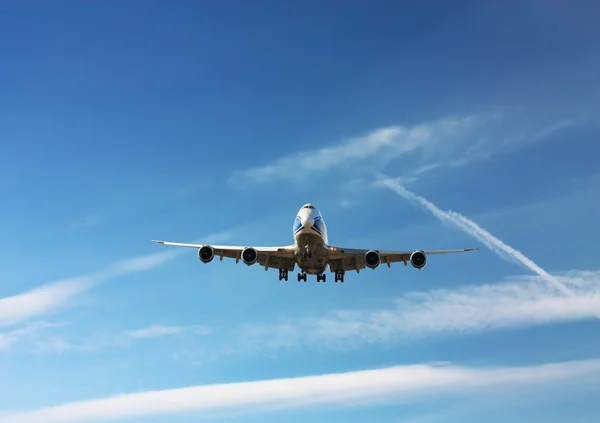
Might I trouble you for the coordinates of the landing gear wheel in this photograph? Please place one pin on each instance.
(283, 274)
(322, 277)
(302, 277)
(339, 276)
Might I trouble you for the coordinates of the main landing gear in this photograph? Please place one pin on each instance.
(283, 274)
(321, 277)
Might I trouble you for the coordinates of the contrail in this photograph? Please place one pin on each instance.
(473, 229)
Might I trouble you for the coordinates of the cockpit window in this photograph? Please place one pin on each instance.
(308, 206)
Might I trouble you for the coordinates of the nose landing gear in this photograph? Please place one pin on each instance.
(302, 276)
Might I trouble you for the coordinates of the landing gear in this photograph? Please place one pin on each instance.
(283, 274)
(301, 276)
(322, 277)
(307, 253)
(339, 276)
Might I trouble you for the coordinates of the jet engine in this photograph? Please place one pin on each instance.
(206, 254)
(418, 259)
(249, 255)
(372, 259)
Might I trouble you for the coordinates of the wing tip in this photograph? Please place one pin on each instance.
(158, 241)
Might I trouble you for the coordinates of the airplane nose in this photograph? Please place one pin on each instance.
(308, 220)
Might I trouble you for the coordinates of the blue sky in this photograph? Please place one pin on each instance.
(216, 121)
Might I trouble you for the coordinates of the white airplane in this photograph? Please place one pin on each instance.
(312, 252)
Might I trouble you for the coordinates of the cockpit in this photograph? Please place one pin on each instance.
(308, 206)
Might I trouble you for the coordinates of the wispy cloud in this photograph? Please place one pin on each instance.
(447, 142)
(392, 385)
(44, 337)
(26, 333)
(514, 303)
(474, 230)
(491, 142)
(517, 302)
(155, 331)
(42, 300)
(50, 297)
(387, 143)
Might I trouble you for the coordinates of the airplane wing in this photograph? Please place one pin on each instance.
(349, 259)
(268, 257)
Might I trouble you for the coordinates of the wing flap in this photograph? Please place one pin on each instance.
(353, 259)
(268, 257)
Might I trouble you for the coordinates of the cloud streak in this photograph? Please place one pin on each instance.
(471, 228)
(514, 303)
(50, 297)
(388, 142)
(42, 337)
(157, 331)
(358, 388)
(517, 302)
(31, 331)
(452, 141)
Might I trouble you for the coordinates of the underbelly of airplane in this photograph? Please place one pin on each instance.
(311, 254)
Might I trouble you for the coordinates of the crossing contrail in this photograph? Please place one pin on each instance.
(473, 229)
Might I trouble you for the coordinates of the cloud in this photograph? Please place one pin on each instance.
(447, 142)
(41, 300)
(399, 384)
(387, 143)
(41, 337)
(471, 228)
(155, 331)
(28, 332)
(50, 297)
(486, 145)
(517, 302)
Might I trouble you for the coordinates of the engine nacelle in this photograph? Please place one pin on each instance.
(249, 255)
(418, 259)
(372, 259)
(206, 254)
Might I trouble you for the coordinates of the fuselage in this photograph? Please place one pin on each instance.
(311, 244)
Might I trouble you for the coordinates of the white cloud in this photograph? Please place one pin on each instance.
(492, 142)
(28, 332)
(155, 331)
(515, 303)
(42, 337)
(474, 230)
(388, 143)
(50, 297)
(41, 300)
(399, 384)
(447, 142)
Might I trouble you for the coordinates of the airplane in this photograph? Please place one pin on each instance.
(312, 252)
